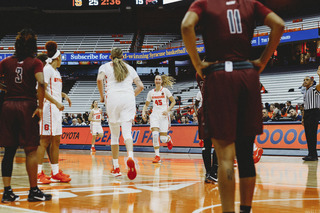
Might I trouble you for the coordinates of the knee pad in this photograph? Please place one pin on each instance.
(244, 151)
(163, 139)
(126, 130)
(155, 139)
(115, 133)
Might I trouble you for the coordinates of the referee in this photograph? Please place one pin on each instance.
(311, 116)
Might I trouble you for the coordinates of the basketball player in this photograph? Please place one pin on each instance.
(51, 124)
(20, 113)
(95, 118)
(232, 99)
(160, 117)
(210, 164)
(120, 104)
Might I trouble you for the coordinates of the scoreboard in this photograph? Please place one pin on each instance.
(105, 4)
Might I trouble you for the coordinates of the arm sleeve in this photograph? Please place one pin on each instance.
(149, 96)
(198, 7)
(261, 11)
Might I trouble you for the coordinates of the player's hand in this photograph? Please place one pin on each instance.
(38, 112)
(165, 113)
(102, 99)
(258, 65)
(60, 106)
(69, 101)
(202, 66)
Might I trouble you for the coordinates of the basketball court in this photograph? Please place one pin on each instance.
(284, 184)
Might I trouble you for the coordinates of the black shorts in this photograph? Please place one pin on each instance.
(17, 127)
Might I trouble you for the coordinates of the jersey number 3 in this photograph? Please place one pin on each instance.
(158, 102)
(18, 78)
(234, 21)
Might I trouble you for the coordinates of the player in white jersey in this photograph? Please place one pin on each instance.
(120, 103)
(160, 117)
(95, 118)
(51, 122)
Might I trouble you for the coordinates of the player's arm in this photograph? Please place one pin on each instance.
(144, 109)
(102, 117)
(100, 79)
(276, 24)
(65, 96)
(41, 93)
(173, 102)
(188, 24)
(52, 100)
(139, 85)
(90, 116)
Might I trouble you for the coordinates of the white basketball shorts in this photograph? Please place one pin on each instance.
(51, 123)
(160, 121)
(96, 128)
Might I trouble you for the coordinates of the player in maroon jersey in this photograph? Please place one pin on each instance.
(232, 100)
(20, 113)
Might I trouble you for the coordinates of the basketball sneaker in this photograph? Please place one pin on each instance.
(38, 195)
(169, 143)
(9, 196)
(210, 179)
(93, 149)
(201, 143)
(115, 172)
(257, 155)
(61, 172)
(43, 179)
(235, 163)
(60, 178)
(132, 172)
(156, 159)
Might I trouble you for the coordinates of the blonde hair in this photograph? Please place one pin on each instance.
(120, 69)
(167, 81)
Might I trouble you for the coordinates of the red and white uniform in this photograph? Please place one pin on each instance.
(160, 104)
(120, 100)
(51, 123)
(95, 126)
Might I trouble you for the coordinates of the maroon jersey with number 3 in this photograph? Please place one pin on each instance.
(19, 77)
(228, 27)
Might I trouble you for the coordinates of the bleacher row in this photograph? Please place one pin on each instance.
(277, 84)
(103, 43)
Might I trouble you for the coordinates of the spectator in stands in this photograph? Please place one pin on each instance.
(184, 119)
(74, 122)
(65, 122)
(289, 106)
(294, 115)
(265, 116)
(228, 39)
(156, 72)
(174, 119)
(81, 122)
(178, 100)
(85, 117)
(276, 113)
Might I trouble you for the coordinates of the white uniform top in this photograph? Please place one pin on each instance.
(112, 85)
(160, 99)
(97, 115)
(199, 98)
(53, 78)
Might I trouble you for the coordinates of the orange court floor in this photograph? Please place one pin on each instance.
(284, 184)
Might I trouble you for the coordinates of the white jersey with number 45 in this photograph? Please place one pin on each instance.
(160, 99)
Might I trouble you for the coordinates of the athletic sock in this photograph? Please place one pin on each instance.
(39, 168)
(130, 154)
(157, 151)
(55, 168)
(115, 163)
(245, 209)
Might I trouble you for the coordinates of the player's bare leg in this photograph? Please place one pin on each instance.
(42, 148)
(226, 180)
(32, 164)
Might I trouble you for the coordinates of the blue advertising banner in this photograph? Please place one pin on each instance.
(256, 41)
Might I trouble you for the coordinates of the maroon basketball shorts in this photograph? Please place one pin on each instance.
(17, 127)
(232, 104)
